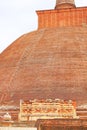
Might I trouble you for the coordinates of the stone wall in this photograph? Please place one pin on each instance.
(17, 128)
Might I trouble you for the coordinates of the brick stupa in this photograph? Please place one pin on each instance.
(50, 62)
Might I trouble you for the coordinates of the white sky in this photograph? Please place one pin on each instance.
(18, 17)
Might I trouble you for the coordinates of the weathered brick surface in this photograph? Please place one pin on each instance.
(63, 4)
(48, 63)
(62, 18)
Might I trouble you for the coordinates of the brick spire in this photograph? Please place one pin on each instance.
(60, 4)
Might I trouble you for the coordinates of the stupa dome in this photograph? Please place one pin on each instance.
(47, 63)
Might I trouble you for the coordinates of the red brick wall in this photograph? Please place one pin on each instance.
(62, 18)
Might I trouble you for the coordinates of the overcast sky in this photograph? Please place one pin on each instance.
(18, 17)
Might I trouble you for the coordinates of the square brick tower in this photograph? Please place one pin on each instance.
(65, 14)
